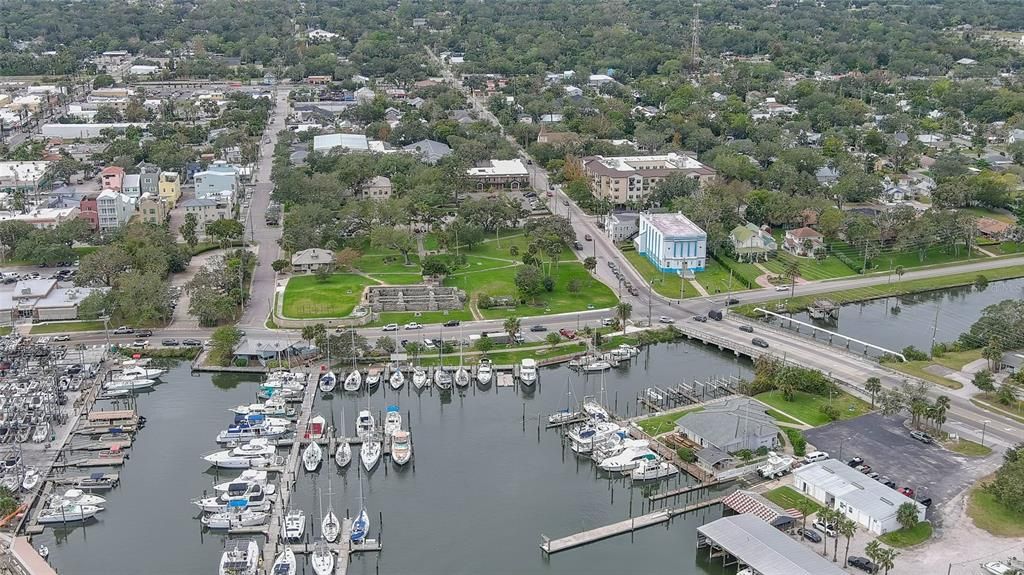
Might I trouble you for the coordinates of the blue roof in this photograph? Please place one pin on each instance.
(393, 408)
(238, 503)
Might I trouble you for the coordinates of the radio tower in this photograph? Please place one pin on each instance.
(695, 41)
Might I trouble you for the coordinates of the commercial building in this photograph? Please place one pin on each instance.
(43, 218)
(207, 210)
(726, 427)
(169, 188)
(218, 177)
(347, 142)
(510, 174)
(309, 261)
(747, 541)
(115, 209)
(25, 177)
(627, 179)
(672, 242)
(42, 300)
(153, 209)
(868, 502)
(86, 131)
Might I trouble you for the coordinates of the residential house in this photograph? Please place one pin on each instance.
(803, 242)
(671, 242)
(218, 177)
(598, 80)
(416, 102)
(622, 226)
(378, 188)
(1016, 135)
(153, 209)
(206, 211)
(826, 175)
(723, 428)
(364, 95)
(628, 179)
(573, 92)
(149, 178)
(901, 138)
(931, 140)
(132, 185)
(991, 228)
(88, 211)
(1012, 361)
(551, 118)
(772, 109)
(430, 151)
(462, 116)
(112, 178)
(115, 209)
(510, 174)
(546, 136)
(169, 188)
(751, 243)
(309, 261)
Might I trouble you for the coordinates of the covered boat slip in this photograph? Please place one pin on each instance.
(747, 540)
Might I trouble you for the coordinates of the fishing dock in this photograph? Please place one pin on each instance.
(550, 546)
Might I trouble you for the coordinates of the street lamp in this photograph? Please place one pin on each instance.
(984, 425)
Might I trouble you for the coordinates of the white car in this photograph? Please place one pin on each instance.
(140, 344)
(413, 325)
(781, 288)
(63, 337)
(390, 327)
(826, 529)
(666, 319)
(429, 344)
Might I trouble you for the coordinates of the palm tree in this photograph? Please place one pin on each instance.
(873, 550)
(826, 517)
(887, 559)
(873, 385)
(847, 528)
(623, 311)
(511, 327)
(906, 515)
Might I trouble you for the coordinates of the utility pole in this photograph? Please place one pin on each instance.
(935, 327)
(649, 297)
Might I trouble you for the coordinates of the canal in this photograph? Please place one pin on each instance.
(484, 488)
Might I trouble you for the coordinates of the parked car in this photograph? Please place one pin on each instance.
(451, 323)
(577, 245)
(608, 322)
(413, 325)
(926, 501)
(887, 482)
(611, 264)
(855, 462)
(747, 328)
(565, 202)
(62, 337)
(732, 301)
(863, 468)
(700, 318)
(666, 319)
(908, 491)
(862, 563)
(921, 436)
(874, 475)
(390, 327)
(633, 291)
(429, 344)
(538, 328)
(781, 288)
(759, 342)
(191, 342)
(144, 333)
(826, 529)
(567, 333)
(587, 237)
(815, 456)
(809, 534)
(140, 344)
(169, 342)
(123, 330)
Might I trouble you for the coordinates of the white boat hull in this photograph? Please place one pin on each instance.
(312, 456)
(369, 454)
(330, 527)
(419, 378)
(294, 525)
(323, 562)
(397, 380)
(285, 563)
(343, 455)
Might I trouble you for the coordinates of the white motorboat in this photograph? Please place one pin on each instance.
(373, 377)
(419, 377)
(484, 372)
(365, 424)
(43, 551)
(583, 439)
(117, 385)
(258, 476)
(442, 378)
(285, 563)
(597, 365)
(594, 410)
(142, 372)
(256, 453)
(343, 455)
(999, 568)
(240, 558)
(253, 498)
(649, 470)
(294, 524)
(246, 430)
(369, 453)
(77, 497)
(312, 456)
(328, 382)
(233, 518)
(30, 479)
(316, 428)
(322, 559)
(614, 445)
(628, 459)
(330, 527)
(42, 433)
(353, 382)
(397, 379)
(392, 421)
(273, 407)
(462, 377)
(70, 513)
(401, 447)
(563, 416)
(528, 371)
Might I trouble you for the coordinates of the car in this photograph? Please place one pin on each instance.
(826, 529)
(862, 563)
(62, 337)
(565, 202)
(874, 475)
(855, 462)
(747, 328)
(413, 325)
(608, 322)
(140, 344)
(451, 323)
(863, 468)
(700, 318)
(144, 333)
(191, 342)
(809, 534)
(538, 328)
(123, 330)
(169, 342)
(759, 342)
(666, 319)
(633, 291)
(781, 288)
(567, 333)
(43, 340)
(576, 245)
(887, 482)
(611, 264)
(731, 301)
(390, 327)
(815, 456)
(549, 194)
(587, 237)
(908, 491)
(926, 501)
(921, 436)
(429, 344)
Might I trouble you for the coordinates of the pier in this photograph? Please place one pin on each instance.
(689, 489)
(550, 546)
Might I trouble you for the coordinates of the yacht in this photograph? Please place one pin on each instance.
(419, 377)
(257, 476)
(330, 527)
(584, 438)
(261, 419)
(528, 371)
(253, 498)
(294, 524)
(142, 372)
(373, 377)
(999, 568)
(273, 407)
(240, 558)
(235, 516)
(353, 382)
(365, 424)
(322, 559)
(392, 421)
(401, 447)
(69, 513)
(597, 365)
(442, 378)
(117, 385)
(77, 497)
(30, 479)
(369, 453)
(42, 433)
(246, 430)
(628, 459)
(343, 455)
(328, 382)
(483, 372)
(462, 377)
(311, 456)
(649, 470)
(255, 453)
(285, 563)
(397, 379)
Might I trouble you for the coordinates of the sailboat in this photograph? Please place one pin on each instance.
(328, 382)
(369, 452)
(343, 455)
(462, 377)
(285, 563)
(322, 559)
(419, 377)
(442, 378)
(397, 379)
(361, 525)
(330, 527)
(484, 372)
(312, 456)
(567, 414)
(355, 379)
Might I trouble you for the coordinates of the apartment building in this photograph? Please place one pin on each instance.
(626, 179)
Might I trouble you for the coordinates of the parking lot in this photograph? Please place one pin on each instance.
(885, 445)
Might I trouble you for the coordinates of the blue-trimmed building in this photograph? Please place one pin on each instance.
(672, 242)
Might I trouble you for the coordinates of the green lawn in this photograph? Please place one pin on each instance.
(430, 242)
(307, 297)
(5, 330)
(664, 283)
(424, 317)
(501, 282)
(777, 416)
(398, 279)
(1006, 248)
(891, 259)
(664, 423)
(967, 447)
(994, 517)
(990, 214)
(500, 248)
(916, 369)
(806, 407)
(908, 537)
(716, 279)
(387, 263)
(67, 326)
(810, 268)
(789, 498)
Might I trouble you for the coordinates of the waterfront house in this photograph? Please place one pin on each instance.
(751, 243)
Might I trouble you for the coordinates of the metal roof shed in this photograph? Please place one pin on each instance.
(763, 548)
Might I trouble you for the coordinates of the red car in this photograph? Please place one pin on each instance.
(567, 333)
(907, 491)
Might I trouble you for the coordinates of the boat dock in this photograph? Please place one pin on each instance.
(688, 489)
(112, 461)
(550, 546)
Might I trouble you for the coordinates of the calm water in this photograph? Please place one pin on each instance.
(484, 487)
(898, 322)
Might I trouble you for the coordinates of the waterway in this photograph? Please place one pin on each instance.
(897, 322)
(484, 488)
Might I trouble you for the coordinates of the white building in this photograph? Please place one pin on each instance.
(43, 218)
(319, 35)
(866, 501)
(672, 242)
(511, 174)
(23, 176)
(143, 70)
(114, 209)
(207, 211)
(348, 142)
(621, 226)
(85, 131)
(309, 261)
(625, 179)
(42, 300)
(131, 186)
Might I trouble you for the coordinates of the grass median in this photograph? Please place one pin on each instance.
(66, 326)
(807, 407)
